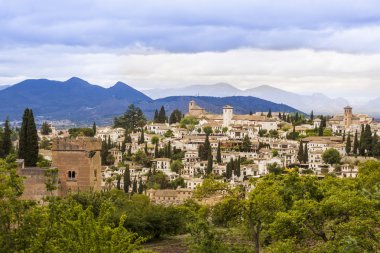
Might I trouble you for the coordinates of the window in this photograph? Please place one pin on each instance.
(71, 175)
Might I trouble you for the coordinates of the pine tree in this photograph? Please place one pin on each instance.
(142, 137)
(320, 130)
(312, 116)
(269, 115)
(7, 141)
(134, 186)
(205, 149)
(45, 128)
(141, 189)
(175, 116)
(348, 144)
(94, 128)
(209, 165)
(305, 154)
(356, 144)
(219, 155)
(127, 179)
(300, 154)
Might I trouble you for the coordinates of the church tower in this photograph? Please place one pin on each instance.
(227, 115)
(347, 116)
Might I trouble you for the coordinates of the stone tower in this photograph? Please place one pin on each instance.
(195, 110)
(78, 162)
(228, 112)
(347, 116)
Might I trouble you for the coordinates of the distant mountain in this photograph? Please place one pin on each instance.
(215, 90)
(82, 102)
(317, 102)
(2, 87)
(372, 108)
(74, 99)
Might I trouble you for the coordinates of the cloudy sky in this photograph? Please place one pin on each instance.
(305, 46)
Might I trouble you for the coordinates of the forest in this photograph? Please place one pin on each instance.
(279, 213)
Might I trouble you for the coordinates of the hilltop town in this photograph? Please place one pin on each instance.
(167, 158)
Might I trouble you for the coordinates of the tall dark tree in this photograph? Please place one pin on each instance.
(219, 155)
(94, 128)
(269, 115)
(209, 165)
(356, 143)
(104, 152)
(320, 130)
(156, 150)
(237, 167)
(348, 144)
(7, 139)
(142, 137)
(45, 128)
(146, 148)
(134, 185)
(131, 120)
(362, 142)
(161, 115)
(375, 141)
(305, 154)
(344, 136)
(368, 139)
(300, 155)
(155, 118)
(141, 187)
(175, 116)
(205, 149)
(246, 145)
(127, 179)
(28, 141)
(312, 116)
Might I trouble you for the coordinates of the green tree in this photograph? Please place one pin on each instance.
(161, 115)
(305, 154)
(127, 179)
(219, 154)
(134, 186)
(246, 145)
(356, 144)
(362, 141)
(209, 165)
(155, 118)
(176, 166)
(300, 154)
(45, 128)
(269, 115)
(142, 137)
(207, 130)
(132, 119)
(7, 139)
(141, 186)
(331, 156)
(175, 116)
(28, 140)
(348, 144)
(94, 128)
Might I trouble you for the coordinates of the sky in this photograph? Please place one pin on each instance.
(303, 46)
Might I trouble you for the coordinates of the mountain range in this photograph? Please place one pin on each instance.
(82, 102)
(317, 102)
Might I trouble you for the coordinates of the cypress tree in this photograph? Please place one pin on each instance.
(219, 155)
(155, 119)
(246, 145)
(156, 151)
(205, 149)
(300, 156)
(127, 179)
(209, 165)
(344, 136)
(146, 148)
(237, 167)
(94, 128)
(362, 142)
(123, 147)
(356, 144)
(118, 182)
(375, 140)
(232, 167)
(312, 116)
(162, 115)
(348, 144)
(269, 115)
(109, 143)
(169, 150)
(134, 185)
(7, 141)
(305, 154)
(141, 186)
(22, 146)
(142, 137)
(368, 139)
(320, 130)
(30, 145)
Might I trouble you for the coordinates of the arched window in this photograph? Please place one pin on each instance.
(71, 175)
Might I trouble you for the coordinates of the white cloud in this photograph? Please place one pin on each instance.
(305, 71)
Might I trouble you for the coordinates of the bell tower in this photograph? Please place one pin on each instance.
(347, 116)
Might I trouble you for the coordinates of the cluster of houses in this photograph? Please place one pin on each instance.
(228, 134)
